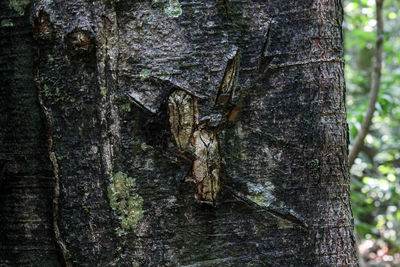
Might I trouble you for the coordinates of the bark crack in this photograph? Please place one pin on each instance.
(53, 159)
(288, 216)
(265, 59)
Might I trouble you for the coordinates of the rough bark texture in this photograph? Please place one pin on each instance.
(26, 178)
(176, 133)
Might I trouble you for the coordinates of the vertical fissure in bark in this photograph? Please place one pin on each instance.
(53, 160)
(265, 59)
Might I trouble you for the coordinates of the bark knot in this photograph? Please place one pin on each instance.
(81, 40)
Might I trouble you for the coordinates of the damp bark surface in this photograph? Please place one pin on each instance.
(26, 177)
(174, 133)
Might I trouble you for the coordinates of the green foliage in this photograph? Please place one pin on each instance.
(375, 174)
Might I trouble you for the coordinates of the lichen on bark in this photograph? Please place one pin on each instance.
(125, 201)
(19, 5)
(262, 195)
(174, 9)
(135, 46)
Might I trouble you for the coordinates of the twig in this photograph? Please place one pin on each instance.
(358, 143)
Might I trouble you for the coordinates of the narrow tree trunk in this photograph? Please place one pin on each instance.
(374, 87)
(188, 133)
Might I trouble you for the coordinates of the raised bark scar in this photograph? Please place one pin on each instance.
(199, 138)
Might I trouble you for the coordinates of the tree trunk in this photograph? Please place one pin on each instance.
(26, 177)
(174, 133)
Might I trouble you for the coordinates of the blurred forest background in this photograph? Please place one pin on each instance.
(375, 174)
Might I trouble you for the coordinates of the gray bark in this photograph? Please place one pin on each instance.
(177, 133)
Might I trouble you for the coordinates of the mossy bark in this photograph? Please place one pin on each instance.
(265, 80)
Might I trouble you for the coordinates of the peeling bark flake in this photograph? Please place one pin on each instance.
(182, 117)
(190, 136)
(225, 91)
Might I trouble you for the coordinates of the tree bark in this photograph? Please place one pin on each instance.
(26, 177)
(179, 133)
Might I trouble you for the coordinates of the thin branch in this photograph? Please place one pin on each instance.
(376, 79)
